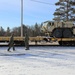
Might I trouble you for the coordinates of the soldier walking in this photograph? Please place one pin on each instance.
(26, 41)
(11, 43)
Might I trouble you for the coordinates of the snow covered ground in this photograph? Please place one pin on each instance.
(38, 61)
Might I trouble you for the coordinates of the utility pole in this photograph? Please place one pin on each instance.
(21, 18)
(67, 10)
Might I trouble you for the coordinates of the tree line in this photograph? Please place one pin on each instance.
(34, 30)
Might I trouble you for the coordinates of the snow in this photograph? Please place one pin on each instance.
(38, 61)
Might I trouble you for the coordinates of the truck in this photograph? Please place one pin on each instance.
(62, 32)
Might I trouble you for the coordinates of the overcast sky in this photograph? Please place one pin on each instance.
(10, 12)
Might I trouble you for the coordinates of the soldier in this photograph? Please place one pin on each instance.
(11, 42)
(26, 41)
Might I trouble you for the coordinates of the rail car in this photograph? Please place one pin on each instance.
(20, 40)
(62, 32)
(64, 41)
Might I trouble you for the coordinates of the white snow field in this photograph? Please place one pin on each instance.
(38, 61)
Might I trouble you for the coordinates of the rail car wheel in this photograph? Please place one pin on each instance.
(64, 43)
(72, 43)
(61, 43)
(19, 43)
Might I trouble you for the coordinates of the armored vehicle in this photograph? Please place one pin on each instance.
(63, 32)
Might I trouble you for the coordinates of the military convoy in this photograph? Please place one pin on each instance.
(63, 32)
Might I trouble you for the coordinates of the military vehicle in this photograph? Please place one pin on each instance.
(63, 32)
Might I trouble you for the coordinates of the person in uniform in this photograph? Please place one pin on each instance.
(11, 43)
(26, 41)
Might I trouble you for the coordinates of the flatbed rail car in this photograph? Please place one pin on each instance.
(64, 41)
(20, 40)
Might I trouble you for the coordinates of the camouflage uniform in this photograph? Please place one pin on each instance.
(27, 41)
(11, 43)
